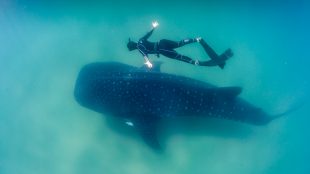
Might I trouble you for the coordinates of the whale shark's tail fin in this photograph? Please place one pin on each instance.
(267, 118)
(293, 108)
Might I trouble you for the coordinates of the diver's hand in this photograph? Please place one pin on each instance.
(148, 64)
(155, 24)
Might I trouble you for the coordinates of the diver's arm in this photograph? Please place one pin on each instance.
(147, 61)
(154, 25)
(148, 34)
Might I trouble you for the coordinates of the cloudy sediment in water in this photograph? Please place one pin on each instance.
(44, 45)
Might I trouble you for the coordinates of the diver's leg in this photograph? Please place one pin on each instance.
(220, 61)
(185, 42)
(212, 54)
(174, 55)
(216, 60)
(169, 44)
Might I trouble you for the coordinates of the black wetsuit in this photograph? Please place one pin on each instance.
(164, 47)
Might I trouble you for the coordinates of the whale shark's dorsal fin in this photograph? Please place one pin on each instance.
(147, 128)
(230, 91)
(227, 92)
(155, 68)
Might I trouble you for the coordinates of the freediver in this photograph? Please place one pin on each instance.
(166, 48)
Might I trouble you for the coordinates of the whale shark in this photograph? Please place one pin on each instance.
(142, 97)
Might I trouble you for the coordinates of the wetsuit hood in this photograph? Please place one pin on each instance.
(131, 45)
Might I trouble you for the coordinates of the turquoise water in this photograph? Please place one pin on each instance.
(43, 45)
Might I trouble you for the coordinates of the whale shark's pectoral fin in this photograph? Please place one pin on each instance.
(230, 92)
(147, 127)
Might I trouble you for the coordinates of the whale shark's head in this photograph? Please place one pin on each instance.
(96, 84)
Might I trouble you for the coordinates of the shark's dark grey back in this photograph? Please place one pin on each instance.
(144, 96)
(105, 87)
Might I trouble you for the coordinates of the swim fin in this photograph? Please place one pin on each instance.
(216, 60)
